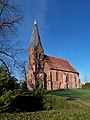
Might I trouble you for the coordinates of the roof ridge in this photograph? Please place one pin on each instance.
(56, 57)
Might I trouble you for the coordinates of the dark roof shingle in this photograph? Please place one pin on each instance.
(35, 38)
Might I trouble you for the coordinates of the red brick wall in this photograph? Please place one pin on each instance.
(71, 83)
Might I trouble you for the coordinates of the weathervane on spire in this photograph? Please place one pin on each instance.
(35, 22)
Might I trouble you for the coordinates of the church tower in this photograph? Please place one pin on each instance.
(36, 59)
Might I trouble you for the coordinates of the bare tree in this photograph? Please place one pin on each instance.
(23, 69)
(10, 56)
(10, 50)
(10, 17)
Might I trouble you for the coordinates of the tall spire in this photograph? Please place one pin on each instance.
(35, 38)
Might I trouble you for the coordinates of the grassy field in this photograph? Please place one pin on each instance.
(59, 105)
(75, 97)
(74, 93)
(48, 115)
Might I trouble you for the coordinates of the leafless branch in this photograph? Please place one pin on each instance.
(5, 65)
(10, 17)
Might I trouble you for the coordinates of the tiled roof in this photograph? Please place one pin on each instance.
(59, 64)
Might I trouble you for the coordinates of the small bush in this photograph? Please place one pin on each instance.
(86, 86)
(38, 90)
(54, 102)
(36, 103)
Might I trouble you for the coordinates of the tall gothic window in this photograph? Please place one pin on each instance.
(40, 56)
(75, 82)
(36, 55)
(67, 78)
(57, 76)
(50, 75)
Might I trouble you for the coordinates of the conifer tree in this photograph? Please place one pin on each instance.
(8, 88)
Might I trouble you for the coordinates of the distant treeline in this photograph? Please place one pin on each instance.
(87, 85)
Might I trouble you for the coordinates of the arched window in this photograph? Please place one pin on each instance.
(50, 76)
(67, 78)
(36, 55)
(56, 75)
(75, 82)
(40, 56)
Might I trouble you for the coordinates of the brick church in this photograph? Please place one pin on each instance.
(55, 73)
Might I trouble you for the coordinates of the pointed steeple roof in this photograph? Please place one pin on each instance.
(35, 38)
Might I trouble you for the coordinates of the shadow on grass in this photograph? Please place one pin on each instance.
(27, 104)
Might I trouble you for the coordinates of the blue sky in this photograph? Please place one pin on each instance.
(64, 27)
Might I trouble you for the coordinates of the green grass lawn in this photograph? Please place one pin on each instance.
(66, 105)
(48, 115)
(81, 96)
(75, 93)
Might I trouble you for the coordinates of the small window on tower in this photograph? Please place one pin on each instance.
(36, 55)
(40, 56)
(31, 75)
